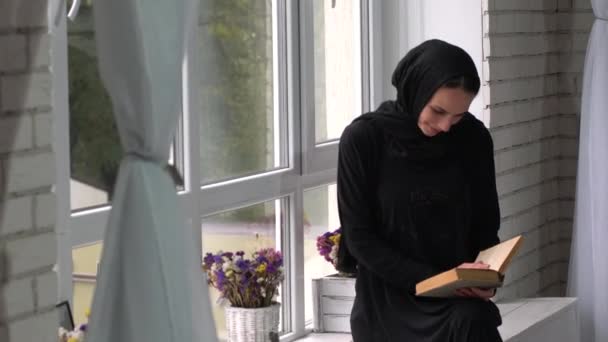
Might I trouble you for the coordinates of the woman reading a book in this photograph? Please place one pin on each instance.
(417, 196)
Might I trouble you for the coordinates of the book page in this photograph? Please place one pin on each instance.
(499, 256)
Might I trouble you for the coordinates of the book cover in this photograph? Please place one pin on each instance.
(498, 257)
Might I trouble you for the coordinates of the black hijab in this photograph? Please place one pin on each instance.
(422, 71)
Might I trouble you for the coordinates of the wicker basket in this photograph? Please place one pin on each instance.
(253, 325)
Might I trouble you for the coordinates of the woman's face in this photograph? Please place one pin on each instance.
(444, 109)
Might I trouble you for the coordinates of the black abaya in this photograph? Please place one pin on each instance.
(412, 206)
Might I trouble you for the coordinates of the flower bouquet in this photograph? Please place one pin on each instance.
(251, 286)
(76, 335)
(327, 245)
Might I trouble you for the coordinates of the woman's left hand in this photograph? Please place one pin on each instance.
(476, 292)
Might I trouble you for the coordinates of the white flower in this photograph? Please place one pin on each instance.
(334, 252)
(226, 266)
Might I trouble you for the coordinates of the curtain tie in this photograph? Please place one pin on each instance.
(174, 173)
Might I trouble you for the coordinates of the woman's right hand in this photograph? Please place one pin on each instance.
(474, 292)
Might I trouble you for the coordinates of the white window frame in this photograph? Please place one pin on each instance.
(321, 156)
(310, 165)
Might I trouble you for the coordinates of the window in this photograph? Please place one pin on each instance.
(269, 86)
(85, 260)
(95, 150)
(247, 229)
(337, 66)
(240, 131)
(320, 216)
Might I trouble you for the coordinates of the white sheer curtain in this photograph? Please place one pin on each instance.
(588, 278)
(151, 285)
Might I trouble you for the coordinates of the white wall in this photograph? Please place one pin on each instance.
(458, 22)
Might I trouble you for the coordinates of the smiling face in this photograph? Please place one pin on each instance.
(444, 109)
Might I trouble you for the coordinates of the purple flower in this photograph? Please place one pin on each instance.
(246, 286)
(209, 259)
(228, 255)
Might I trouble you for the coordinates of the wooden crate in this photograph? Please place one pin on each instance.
(333, 299)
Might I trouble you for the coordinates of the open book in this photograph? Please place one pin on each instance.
(498, 257)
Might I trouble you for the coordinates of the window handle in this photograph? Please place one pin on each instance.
(74, 9)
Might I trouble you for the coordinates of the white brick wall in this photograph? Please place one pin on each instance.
(28, 285)
(534, 52)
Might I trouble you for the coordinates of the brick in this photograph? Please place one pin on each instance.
(30, 171)
(572, 62)
(528, 154)
(31, 253)
(530, 197)
(17, 298)
(567, 83)
(570, 104)
(566, 207)
(580, 41)
(567, 188)
(564, 4)
(569, 147)
(510, 113)
(521, 66)
(39, 50)
(46, 288)
(521, 22)
(575, 21)
(569, 125)
(523, 44)
(525, 132)
(45, 210)
(15, 133)
(532, 218)
(16, 216)
(568, 167)
(13, 52)
(23, 14)
(26, 91)
(43, 129)
(38, 328)
(521, 89)
(535, 5)
(522, 178)
(582, 4)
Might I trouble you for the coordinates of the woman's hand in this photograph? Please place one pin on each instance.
(475, 292)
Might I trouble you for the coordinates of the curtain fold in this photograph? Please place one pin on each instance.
(151, 286)
(588, 272)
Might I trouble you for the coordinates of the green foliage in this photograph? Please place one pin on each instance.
(236, 91)
(94, 143)
(236, 87)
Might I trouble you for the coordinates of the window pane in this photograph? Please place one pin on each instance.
(95, 150)
(247, 229)
(320, 216)
(85, 260)
(239, 123)
(337, 60)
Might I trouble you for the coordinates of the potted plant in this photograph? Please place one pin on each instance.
(333, 295)
(250, 286)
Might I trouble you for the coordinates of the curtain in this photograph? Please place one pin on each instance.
(588, 272)
(151, 286)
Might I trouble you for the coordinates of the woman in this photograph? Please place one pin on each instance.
(417, 196)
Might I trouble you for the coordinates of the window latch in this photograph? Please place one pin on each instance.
(73, 12)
